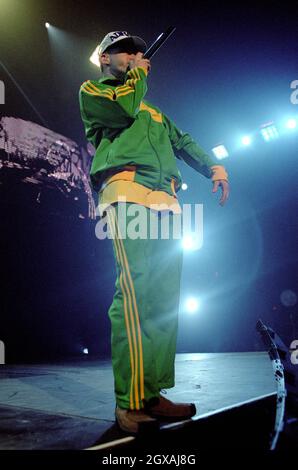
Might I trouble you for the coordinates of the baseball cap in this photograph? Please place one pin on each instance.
(120, 38)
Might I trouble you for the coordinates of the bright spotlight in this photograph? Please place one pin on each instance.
(291, 123)
(191, 242)
(220, 151)
(192, 305)
(85, 351)
(184, 186)
(246, 140)
(269, 131)
(94, 58)
(47, 25)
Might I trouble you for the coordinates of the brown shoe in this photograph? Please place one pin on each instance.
(170, 411)
(134, 421)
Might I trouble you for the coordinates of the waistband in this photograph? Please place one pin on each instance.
(128, 174)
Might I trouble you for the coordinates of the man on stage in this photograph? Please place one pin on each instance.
(135, 162)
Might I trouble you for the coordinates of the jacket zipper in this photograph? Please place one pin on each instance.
(158, 186)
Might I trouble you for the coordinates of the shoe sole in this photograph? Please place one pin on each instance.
(173, 417)
(143, 427)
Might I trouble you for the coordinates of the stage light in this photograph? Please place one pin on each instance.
(191, 242)
(85, 351)
(291, 123)
(269, 131)
(47, 25)
(220, 151)
(192, 305)
(184, 186)
(94, 58)
(288, 298)
(246, 140)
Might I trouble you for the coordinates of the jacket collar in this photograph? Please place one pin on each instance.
(111, 80)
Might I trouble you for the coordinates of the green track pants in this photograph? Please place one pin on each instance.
(144, 311)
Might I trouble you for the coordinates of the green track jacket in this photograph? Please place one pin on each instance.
(127, 130)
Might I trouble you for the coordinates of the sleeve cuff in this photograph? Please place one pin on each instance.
(218, 173)
(137, 72)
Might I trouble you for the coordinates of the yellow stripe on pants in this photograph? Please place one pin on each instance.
(123, 284)
(137, 359)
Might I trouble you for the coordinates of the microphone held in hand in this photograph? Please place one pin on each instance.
(158, 43)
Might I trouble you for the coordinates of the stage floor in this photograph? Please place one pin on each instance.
(71, 405)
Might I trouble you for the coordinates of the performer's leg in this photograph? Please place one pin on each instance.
(165, 258)
(133, 351)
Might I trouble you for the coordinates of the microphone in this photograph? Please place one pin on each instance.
(162, 38)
